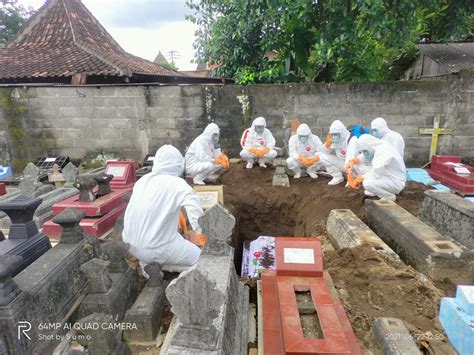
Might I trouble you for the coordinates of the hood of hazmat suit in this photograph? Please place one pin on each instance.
(387, 164)
(386, 134)
(346, 148)
(251, 138)
(202, 149)
(297, 149)
(151, 217)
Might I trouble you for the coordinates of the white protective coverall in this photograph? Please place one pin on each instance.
(314, 147)
(386, 134)
(387, 176)
(151, 217)
(252, 139)
(201, 154)
(338, 155)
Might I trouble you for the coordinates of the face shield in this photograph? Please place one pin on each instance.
(368, 154)
(376, 133)
(336, 138)
(259, 129)
(303, 139)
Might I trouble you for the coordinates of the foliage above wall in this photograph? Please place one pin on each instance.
(321, 40)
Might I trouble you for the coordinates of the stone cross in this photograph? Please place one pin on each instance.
(21, 210)
(103, 180)
(70, 174)
(116, 251)
(85, 185)
(8, 288)
(217, 224)
(30, 182)
(69, 220)
(97, 275)
(196, 302)
(154, 272)
(102, 339)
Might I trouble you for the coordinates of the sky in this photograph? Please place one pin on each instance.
(144, 27)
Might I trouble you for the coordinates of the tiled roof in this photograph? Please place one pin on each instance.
(455, 56)
(62, 39)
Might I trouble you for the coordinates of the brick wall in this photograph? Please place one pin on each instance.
(134, 120)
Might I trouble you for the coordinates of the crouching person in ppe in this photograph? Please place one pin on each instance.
(379, 129)
(152, 215)
(204, 157)
(258, 144)
(387, 176)
(338, 147)
(304, 149)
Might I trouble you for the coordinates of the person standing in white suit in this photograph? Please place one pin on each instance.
(152, 214)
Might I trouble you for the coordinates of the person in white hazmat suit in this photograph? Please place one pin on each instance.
(339, 149)
(151, 217)
(379, 129)
(387, 176)
(258, 144)
(204, 157)
(304, 149)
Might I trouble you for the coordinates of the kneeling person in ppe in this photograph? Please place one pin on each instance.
(152, 215)
(258, 143)
(387, 176)
(304, 149)
(339, 147)
(204, 157)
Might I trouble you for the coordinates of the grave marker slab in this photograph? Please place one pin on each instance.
(24, 239)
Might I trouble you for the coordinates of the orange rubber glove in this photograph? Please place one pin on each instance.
(312, 160)
(254, 150)
(196, 238)
(328, 141)
(356, 183)
(182, 223)
(264, 151)
(222, 160)
(303, 160)
(351, 163)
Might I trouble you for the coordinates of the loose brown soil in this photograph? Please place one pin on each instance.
(368, 285)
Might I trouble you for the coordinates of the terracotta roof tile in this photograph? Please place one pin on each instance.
(63, 38)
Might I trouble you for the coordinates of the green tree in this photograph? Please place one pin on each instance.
(12, 17)
(322, 40)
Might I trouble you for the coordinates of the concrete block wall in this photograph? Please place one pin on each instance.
(132, 121)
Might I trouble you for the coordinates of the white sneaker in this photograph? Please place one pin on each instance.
(313, 175)
(368, 193)
(297, 174)
(262, 164)
(390, 198)
(198, 181)
(249, 164)
(336, 180)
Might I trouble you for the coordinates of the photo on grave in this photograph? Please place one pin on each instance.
(207, 199)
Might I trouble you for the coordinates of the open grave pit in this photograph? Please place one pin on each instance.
(368, 284)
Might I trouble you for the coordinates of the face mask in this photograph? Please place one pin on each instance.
(259, 129)
(303, 139)
(376, 133)
(215, 138)
(336, 138)
(368, 154)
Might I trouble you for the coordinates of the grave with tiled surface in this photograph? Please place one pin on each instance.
(299, 268)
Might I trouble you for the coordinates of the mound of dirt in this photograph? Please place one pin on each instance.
(371, 286)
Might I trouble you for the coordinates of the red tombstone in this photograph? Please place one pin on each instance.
(102, 212)
(299, 268)
(449, 170)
